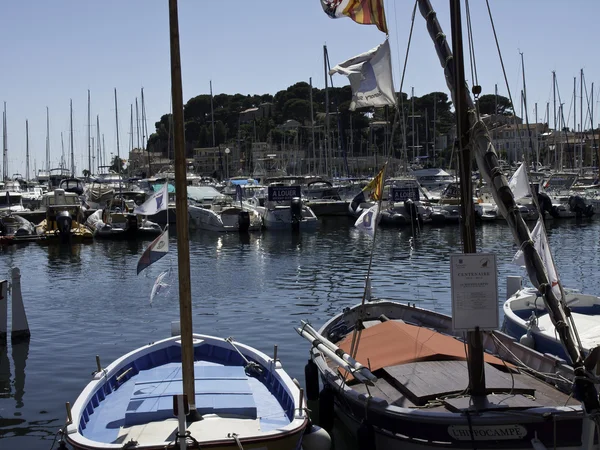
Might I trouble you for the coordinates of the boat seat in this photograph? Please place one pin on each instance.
(222, 390)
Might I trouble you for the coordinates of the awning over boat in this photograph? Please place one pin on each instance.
(391, 343)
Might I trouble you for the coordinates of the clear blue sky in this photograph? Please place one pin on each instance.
(56, 51)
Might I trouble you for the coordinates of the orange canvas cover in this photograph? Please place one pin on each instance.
(391, 343)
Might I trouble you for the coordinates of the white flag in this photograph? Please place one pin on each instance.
(370, 76)
(368, 219)
(157, 202)
(540, 242)
(519, 183)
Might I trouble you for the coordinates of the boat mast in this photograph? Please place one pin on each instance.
(554, 106)
(98, 147)
(4, 146)
(475, 360)
(145, 132)
(47, 141)
(312, 127)
(327, 143)
(89, 139)
(581, 120)
(183, 250)
(62, 147)
(27, 149)
(72, 148)
(118, 160)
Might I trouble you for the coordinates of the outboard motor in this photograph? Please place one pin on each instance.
(546, 205)
(64, 223)
(243, 221)
(578, 205)
(296, 212)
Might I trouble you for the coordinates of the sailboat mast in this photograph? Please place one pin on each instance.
(98, 147)
(4, 146)
(183, 250)
(131, 129)
(312, 127)
(62, 147)
(475, 348)
(327, 143)
(554, 105)
(118, 160)
(89, 138)
(71, 136)
(581, 119)
(137, 122)
(47, 140)
(145, 133)
(27, 149)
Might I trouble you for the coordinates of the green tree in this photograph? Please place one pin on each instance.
(487, 105)
(117, 165)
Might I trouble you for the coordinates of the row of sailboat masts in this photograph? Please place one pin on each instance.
(579, 134)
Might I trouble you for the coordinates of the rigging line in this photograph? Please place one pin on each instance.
(474, 76)
(503, 67)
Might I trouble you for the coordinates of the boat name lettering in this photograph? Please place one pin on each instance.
(483, 433)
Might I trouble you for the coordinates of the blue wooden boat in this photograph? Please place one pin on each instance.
(244, 397)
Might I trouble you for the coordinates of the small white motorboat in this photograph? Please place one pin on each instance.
(526, 318)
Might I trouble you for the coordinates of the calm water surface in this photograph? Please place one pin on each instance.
(86, 300)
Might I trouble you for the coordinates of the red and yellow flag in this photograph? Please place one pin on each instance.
(376, 185)
(367, 12)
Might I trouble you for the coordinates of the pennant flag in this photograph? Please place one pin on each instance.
(157, 202)
(156, 250)
(370, 76)
(376, 185)
(519, 183)
(366, 12)
(540, 242)
(368, 219)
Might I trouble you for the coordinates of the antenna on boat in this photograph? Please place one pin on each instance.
(183, 250)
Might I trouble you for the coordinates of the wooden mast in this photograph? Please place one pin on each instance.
(183, 250)
(475, 347)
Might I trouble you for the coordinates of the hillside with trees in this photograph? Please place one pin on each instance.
(350, 131)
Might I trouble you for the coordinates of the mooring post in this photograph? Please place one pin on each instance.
(20, 326)
(3, 311)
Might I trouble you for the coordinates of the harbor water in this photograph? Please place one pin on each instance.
(86, 300)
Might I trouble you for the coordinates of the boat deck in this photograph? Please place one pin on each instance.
(438, 380)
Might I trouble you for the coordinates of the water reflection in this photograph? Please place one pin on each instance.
(20, 352)
(5, 388)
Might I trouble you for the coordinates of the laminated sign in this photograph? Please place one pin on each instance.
(474, 281)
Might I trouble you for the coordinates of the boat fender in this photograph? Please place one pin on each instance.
(366, 436)
(311, 376)
(316, 438)
(296, 210)
(527, 340)
(326, 408)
